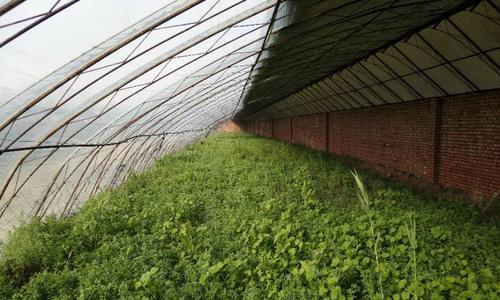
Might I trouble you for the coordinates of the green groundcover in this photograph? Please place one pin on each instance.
(241, 217)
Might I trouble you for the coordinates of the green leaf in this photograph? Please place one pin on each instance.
(332, 281)
(335, 261)
(308, 269)
(216, 268)
(402, 284)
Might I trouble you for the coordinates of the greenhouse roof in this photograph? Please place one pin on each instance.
(87, 96)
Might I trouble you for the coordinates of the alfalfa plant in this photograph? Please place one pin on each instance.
(365, 203)
(411, 230)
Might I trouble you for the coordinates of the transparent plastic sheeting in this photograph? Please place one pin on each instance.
(161, 83)
(92, 90)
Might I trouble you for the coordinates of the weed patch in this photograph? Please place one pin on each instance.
(242, 217)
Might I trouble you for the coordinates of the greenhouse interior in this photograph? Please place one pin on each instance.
(250, 149)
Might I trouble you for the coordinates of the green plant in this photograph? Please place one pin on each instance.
(365, 202)
(242, 217)
(411, 230)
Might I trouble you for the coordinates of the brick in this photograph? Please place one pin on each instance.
(282, 130)
(397, 136)
(453, 141)
(469, 157)
(310, 131)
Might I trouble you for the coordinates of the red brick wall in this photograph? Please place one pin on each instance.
(282, 130)
(264, 128)
(397, 136)
(268, 128)
(453, 141)
(310, 131)
(469, 156)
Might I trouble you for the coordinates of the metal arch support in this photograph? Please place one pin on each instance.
(142, 70)
(121, 64)
(124, 127)
(163, 121)
(204, 94)
(9, 5)
(130, 142)
(51, 110)
(92, 137)
(136, 155)
(264, 42)
(205, 97)
(174, 122)
(157, 61)
(42, 19)
(56, 79)
(148, 111)
(201, 111)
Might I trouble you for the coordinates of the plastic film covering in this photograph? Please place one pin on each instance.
(162, 83)
(89, 94)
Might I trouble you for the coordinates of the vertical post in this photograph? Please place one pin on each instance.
(291, 130)
(438, 123)
(272, 129)
(327, 131)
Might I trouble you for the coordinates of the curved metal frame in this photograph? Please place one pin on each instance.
(43, 206)
(250, 75)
